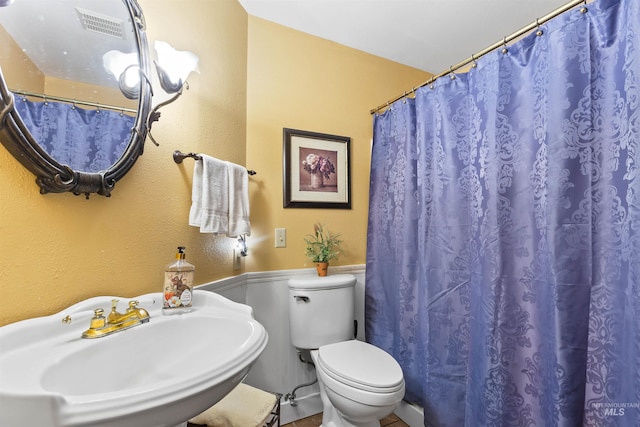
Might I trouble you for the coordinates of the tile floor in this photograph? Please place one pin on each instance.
(315, 420)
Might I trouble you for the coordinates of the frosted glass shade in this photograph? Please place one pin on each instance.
(173, 66)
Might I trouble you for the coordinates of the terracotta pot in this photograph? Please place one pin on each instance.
(322, 268)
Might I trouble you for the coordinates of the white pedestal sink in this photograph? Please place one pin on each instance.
(157, 374)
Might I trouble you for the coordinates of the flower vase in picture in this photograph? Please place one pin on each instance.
(317, 180)
(322, 268)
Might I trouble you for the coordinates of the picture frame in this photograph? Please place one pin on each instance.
(316, 170)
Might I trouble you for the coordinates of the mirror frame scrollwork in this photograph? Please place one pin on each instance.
(53, 177)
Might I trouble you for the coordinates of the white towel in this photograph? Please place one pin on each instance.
(210, 196)
(239, 223)
(220, 197)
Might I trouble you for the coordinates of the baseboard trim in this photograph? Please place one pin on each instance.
(410, 414)
(305, 407)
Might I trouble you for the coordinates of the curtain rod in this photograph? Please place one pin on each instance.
(489, 49)
(73, 101)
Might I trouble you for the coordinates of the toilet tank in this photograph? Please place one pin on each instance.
(321, 310)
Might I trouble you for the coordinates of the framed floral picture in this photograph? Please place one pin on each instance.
(317, 171)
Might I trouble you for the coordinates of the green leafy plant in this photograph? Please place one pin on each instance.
(322, 246)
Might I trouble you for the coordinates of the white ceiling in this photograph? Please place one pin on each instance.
(430, 35)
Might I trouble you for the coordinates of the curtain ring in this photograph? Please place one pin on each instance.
(504, 42)
(584, 8)
(473, 59)
(431, 83)
(539, 32)
(73, 105)
(451, 73)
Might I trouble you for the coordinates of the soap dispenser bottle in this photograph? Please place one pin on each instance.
(178, 285)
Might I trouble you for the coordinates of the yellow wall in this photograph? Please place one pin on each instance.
(256, 78)
(57, 249)
(303, 82)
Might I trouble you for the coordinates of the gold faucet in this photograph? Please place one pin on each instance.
(115, 322)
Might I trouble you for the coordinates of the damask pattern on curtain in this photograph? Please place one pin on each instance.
(503, 253)
(85, 140)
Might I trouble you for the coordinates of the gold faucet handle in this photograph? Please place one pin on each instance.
(114, 315)
(98, 321)
(133, 305)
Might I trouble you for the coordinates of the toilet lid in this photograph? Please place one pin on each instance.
(361, 365)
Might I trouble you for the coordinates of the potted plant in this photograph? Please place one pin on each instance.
(322, 247)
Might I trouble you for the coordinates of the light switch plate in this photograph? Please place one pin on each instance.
(281, 238)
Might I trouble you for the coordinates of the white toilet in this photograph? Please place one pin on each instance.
(359, 383)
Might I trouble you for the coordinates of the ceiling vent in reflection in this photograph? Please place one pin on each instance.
(102, 24)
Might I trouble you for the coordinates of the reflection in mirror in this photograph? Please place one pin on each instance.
(68, 120)
(125, 68)
(86, 140)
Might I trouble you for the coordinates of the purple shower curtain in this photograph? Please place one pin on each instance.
(503, 254)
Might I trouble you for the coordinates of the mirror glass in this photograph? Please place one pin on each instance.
(59, 59)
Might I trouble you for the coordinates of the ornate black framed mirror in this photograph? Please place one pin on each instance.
(65, 114)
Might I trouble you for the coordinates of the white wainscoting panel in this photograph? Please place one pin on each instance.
(279, 369)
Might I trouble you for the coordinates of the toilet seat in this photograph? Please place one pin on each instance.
(362, 366)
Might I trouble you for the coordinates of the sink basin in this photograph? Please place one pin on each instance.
(160, 373)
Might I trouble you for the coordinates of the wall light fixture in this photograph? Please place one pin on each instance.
(173, 68)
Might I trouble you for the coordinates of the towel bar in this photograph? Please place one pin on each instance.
(179, 156)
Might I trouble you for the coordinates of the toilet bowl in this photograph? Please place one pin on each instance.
(359, 383)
